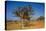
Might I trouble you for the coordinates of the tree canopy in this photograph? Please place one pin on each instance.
(24, 12)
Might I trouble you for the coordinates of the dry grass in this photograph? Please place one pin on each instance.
(30, 25)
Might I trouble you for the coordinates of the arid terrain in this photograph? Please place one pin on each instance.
(24, 15)
(30, 25)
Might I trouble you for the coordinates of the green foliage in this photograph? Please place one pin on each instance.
(41, 18)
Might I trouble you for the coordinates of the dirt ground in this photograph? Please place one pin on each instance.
(30, 25)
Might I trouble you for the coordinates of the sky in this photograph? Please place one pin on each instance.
(11, 5)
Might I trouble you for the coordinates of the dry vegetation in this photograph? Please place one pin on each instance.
(28, 25)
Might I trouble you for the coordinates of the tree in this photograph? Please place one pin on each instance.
(25, 12)
(41, 18)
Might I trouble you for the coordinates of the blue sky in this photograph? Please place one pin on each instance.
(11, 5)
